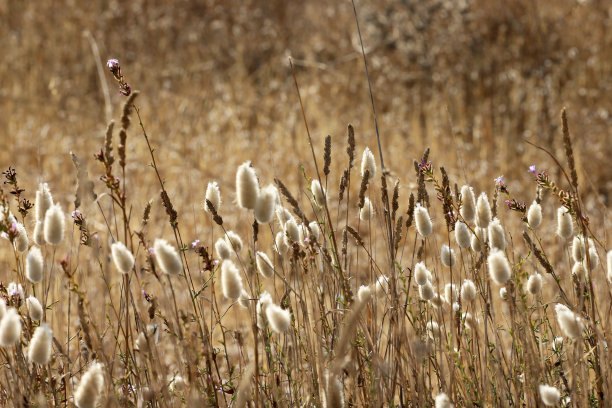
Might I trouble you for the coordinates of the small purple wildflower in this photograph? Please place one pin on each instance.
(195, 243)
(4, 235)
(499, 180)
(152, 251)
(75, 213)
(112, 63)
(14, 227)
(532, 169)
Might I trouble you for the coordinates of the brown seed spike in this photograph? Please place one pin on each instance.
(569, 151)
(350, 150)
(327, 155)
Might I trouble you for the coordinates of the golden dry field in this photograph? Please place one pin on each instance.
(473, 268)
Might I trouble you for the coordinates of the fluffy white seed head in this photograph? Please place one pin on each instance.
(550, 395)
(213, 194)
(167, 257)
(265, 299)
(315, 230)
(534, 215)
(21, 240)
(364, 293)
(503, 293)
(422, 220)
(34, 265)
(122, 257)
(483, 211)
(266, 204)
(382, 286)
(90, 387)
(281, 245)
(421, 274)
(317, 192)
(436, 300)
(609, 262)
(244, 301)
(497, 239)
(433, 330)
(43, 202)
(223, 249)
(264, 265)
(570, 323)
(462, 235)
(34, 308)
(15, 289)
(534, 284)
(499, 268)
(292, 232)
(447, 256)
(283, 215)
(468, 204)
(39, 233)
(279, 318)
(565, 228)
(578, 248)
(451, 294)
(10, 328)
(478, 239)
(247, 186)
(368, 163)
(468, 291)
(234, 241)
(442, 401)
(367, 211)
(54, 225)
(557, 343)
(593, 259)
(39, 351)
(231, 281)
(579, 271)
(426, 291)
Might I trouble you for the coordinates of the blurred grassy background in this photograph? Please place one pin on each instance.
(216, 87)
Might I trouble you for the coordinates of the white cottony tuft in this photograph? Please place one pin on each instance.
(565, 228)
(260, 309)
(468, 291)
(39, 233)
(367, 211)
(421, 274)
(570, 323)
(534, 215)
(264, 265)
(43, 202)
(534, 284)
(54, 225)
(593, 258)
(247, 186)
(292, 232)
(21, 240)
(497, 239)
(315, 230)
(34, 265)
(90, 387)
(231, 281)
(234, 241)
(483, 211)
(426, 291)
(447, 256)
(478, 239)
(122, 257)
(499, 268)
(34, 308)
(283, 215)
(266, 204)
(451, 294)
(39, 350)
(462, 235)
(243, 300)
(279, 318)
(213, 194)
(167, 257)
(368, 163)
(318, 192)
(364, 293)
(433, 330)
(382, 286)
(422, 220)
(10, 328)
(223, 249)
(281, 245)
(468, 204)
(550, 395)
(578, 248)
(442, 401)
